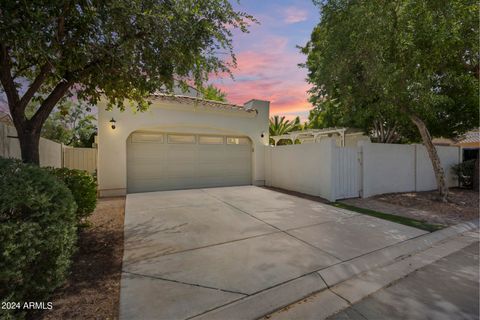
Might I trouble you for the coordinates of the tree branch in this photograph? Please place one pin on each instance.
(6, 78)
(49, 103)
(35, 85)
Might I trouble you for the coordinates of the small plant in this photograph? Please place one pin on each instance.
(37, 233)
(83, 187)
(465, 172)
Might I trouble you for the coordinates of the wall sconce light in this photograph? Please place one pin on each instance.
(112, 122)
(262, 135)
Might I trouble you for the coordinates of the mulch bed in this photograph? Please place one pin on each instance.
(462, 205)
(93, 287)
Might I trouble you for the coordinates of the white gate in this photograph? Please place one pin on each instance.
(347, 172)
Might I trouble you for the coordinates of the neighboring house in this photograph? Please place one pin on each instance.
(181, 142)
(469, 142)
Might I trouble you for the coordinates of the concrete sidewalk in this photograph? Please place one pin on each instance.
(440, 282)
(447, 289)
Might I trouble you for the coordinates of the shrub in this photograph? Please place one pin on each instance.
(465, 172)
(83, 187)
(37, 233)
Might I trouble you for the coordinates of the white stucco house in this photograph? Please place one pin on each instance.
(181, 142)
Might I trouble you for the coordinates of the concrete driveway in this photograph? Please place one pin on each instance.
(189, 252)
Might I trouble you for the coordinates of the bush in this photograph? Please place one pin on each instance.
(465, 172)
(37, 233)
(83, 187)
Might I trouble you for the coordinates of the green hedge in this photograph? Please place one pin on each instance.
(83, 187)
(37, 233)
(465, 172)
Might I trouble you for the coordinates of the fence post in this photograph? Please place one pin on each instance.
(360, 169)
(333, 170)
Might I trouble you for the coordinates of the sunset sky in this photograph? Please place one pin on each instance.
(267, 57)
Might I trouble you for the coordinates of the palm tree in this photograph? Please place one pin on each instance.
(280, 126)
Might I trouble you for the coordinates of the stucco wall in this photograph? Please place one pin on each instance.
(169, 116)
(302, 167)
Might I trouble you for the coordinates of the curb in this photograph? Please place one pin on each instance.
(280, 296)
(348, 269)
(335, 299)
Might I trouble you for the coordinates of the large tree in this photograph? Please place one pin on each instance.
(416, 60)
(122, 50)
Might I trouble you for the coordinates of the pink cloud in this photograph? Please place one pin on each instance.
(294, 15)
(268, 71)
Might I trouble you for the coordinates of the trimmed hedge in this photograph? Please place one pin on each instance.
(83, 187)
(465, 173)
(37, 233)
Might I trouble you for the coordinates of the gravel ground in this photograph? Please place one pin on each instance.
(93, 287)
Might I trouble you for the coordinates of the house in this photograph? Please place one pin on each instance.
(182, 141)
(468, 142)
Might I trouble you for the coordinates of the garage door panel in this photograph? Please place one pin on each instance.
(181, 170)
(180, 154)
(210, 169)
(147, 171)
(214, 154)
(182, 183)
(236, 180)
(170, 166)
(145, 185)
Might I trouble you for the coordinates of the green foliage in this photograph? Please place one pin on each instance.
(465, 172)
(210, 92)
(384, 61)
(37, 233)
(83, 187)
(122, 50)
(279, 126)
(71, 124)
(391, 217)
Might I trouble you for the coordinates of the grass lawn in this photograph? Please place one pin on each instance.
(390, 217)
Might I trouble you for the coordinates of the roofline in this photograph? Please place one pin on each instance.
(256, 100)
(204, 101)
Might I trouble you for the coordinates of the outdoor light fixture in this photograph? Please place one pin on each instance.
(113, 123)
(262, 135)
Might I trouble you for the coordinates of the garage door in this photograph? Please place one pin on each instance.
(169, 161)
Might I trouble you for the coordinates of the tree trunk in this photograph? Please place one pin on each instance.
(432, 153)
(29, 146)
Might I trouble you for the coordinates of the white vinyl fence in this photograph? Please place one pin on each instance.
(52, 154)
(331, 172)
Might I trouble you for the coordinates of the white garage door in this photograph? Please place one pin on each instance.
(169, 161)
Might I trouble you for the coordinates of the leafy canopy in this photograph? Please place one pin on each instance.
(381, 61)
(279, 126)
(71, 123)
(211, 92)
(123, 49)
